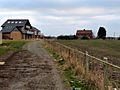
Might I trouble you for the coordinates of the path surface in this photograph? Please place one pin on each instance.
(31, 69)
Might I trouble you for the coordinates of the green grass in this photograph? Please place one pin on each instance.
(98, 48)
(9, 45)
(76, 83)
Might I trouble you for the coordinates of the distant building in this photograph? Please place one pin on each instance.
(16, 29)
(84, 33)
(37, 33)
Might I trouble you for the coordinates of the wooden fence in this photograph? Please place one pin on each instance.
(104, 75)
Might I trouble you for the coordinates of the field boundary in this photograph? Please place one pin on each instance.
(91, 56)
(105, 75)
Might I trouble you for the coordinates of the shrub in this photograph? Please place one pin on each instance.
(118, 38)
(67, 37)
(84, 38)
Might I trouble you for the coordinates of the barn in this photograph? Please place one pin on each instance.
(84, 33)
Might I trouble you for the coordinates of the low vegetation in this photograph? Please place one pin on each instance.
(68, 74)
(67, 37)
(10, 45)
(98, 48)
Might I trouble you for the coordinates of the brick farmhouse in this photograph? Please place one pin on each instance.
(17, 29)
(84, 33)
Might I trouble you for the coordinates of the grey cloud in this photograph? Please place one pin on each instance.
(65, 16)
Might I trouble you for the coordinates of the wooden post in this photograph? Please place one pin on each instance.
(86, 62)
(0, 37)
(61, 50)
(51, 46)
(69, 54)
(106, 74)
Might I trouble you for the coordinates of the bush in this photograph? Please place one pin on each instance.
(84, 38)
(119, 38)
(67, 37)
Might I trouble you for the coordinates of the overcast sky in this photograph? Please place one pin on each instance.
(61, 17)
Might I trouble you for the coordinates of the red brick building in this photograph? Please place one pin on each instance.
(84, 33)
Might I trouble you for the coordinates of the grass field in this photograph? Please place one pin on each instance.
(9, 45)
(98, 48)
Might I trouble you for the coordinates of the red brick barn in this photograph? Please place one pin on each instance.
(84, 33)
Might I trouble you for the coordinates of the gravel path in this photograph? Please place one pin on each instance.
(30, 69)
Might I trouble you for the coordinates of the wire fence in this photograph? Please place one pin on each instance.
(104, 75)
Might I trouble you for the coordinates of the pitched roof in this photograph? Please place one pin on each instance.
(10, 24)
(35, 29)
(84, 31)
(16, 22)
(7, 29)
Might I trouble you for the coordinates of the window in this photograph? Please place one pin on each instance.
(12, 22)
(27, 26)
(8, 22)
(20, 22)
(16, 21)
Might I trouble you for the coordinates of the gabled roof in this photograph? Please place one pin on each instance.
(16, 22)
(84, 31)
(10, 24)
(35, 29)
(7, 29)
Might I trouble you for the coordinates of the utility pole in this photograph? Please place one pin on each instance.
(114, 35)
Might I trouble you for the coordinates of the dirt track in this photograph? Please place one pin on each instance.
(30, 69)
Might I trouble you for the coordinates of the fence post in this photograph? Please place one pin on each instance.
(52, 46)
(0, 37)
(105, 74)
(86, 62)
(69, 54)
(59, 49)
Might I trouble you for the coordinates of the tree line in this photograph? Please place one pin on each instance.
(101, 34)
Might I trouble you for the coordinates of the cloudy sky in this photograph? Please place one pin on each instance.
(61, 17)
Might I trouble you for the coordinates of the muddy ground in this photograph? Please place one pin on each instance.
(30, 69)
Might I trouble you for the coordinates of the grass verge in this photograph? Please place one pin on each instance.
(10, 45)
(68, 74)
